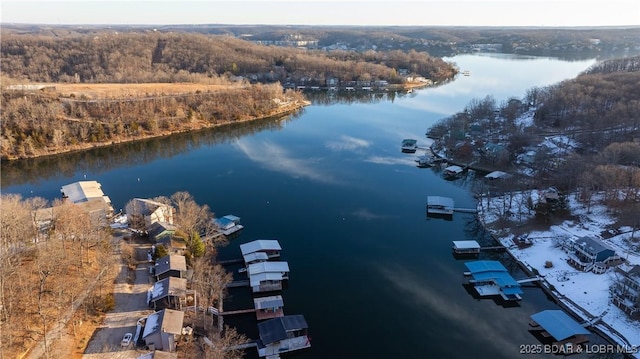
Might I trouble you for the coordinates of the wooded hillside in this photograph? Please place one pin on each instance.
(109, 56)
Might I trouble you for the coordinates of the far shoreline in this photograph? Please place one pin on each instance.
(286, 110)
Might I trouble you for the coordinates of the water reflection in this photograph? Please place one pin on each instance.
(104, 159)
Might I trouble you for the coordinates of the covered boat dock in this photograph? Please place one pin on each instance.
(560, 327)
(491, 278)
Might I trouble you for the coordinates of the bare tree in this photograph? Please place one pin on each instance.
(210, 281)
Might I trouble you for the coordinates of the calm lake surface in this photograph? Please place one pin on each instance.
(373, 277)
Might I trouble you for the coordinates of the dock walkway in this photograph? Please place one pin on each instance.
(238, 284)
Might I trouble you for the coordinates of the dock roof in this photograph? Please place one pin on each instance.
(485, 266)
(268, 267)
(559, 324)
(256, 279)
(274, 301)
(82, 190)
(255, 256)
(440, 201)
(274, 330)
(260, 245)
(466, 245)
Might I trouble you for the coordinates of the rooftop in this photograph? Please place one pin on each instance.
(170, 262)
(260, 245)
(559, 324)
(276, 329)
(166, 321)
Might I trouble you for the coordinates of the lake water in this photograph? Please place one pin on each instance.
(373, 277)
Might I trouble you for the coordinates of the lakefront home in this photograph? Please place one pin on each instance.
(163, 329)
(170, 266)
(588, 254)
(143, 212)
(168, 293)
(625, 292)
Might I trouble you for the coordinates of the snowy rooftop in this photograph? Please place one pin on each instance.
(586, 293)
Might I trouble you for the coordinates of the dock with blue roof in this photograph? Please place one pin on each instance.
(558, 327)
(491, 278)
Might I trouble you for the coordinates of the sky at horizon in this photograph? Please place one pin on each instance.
(559, 13)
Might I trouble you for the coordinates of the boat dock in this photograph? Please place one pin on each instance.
(240, 311)
(231, 261)
(491, 278)
(238, 284)
(470, 246)
(439, 205)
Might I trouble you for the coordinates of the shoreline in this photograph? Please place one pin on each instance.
(89, 146)
(565, 302)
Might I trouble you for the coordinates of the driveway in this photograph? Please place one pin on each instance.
(130, 305)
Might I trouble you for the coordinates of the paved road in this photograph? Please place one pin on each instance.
(131, 305)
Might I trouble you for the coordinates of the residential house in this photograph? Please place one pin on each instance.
(170, 266)
(174, 245)
(267, 276)
(168, 293)
(281, 335)
(143, 212)
(163, 329)
(626, 291)
(588, 254)
(158, 230)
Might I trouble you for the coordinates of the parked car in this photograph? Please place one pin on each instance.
(126, 340)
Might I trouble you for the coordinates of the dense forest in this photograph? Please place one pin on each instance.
(39, 123)
(110, 56)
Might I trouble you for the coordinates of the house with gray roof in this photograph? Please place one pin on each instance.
(163, 329)
(170, 266)
(168, 293)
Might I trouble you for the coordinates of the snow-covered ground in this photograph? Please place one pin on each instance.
(586, 293)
